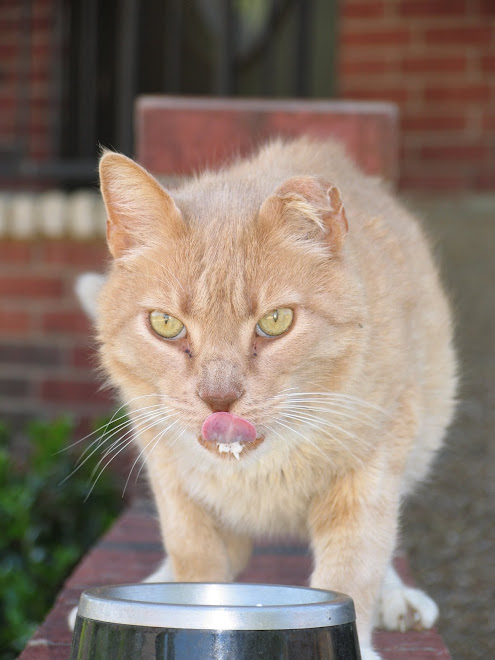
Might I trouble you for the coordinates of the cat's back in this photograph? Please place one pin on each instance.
(234, 194)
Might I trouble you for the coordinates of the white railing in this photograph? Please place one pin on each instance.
(53, 214)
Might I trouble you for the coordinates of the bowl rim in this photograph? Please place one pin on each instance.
(133, 604)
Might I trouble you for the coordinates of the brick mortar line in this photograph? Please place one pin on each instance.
(259, 551)
(444, 22)
(38, 373)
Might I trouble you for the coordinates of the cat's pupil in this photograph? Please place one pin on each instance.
(275, 315)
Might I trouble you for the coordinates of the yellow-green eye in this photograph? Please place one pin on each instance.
(275, 323)
(167, 326)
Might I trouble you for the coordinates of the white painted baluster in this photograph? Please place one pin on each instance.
(22, 217)
(52, 213)
(81, 213)
(5, 199)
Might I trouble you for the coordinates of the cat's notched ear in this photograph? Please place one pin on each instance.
(135, 203)
(314, 208)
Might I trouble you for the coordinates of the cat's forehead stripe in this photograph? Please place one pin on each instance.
(220, 204)
(222, 283)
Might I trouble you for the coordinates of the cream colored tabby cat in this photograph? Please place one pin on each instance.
(288, 364)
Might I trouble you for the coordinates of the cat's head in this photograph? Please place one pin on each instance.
(222, 298)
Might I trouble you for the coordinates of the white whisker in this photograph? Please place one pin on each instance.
(102, 439)
(306, 417)
(282, 394)
(317, 427)
(106, 424)
(160, 435)
(147, 421)
(342, 403)
(174, 440)
(292, 430)
(270, 428)
(126, 444)
(124, 441)
(331, 408)
(143, 418)
(348, 449)
(344, 397)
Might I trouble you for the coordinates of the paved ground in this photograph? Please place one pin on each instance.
(449, 528)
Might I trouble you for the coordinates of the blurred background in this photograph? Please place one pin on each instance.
(70, 71)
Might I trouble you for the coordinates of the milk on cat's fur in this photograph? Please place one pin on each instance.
(350, 403)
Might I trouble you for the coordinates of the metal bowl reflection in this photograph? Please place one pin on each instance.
(189, 621)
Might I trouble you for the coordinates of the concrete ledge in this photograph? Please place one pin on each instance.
(131, 550)
(182, 135)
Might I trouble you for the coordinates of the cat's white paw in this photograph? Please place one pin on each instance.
(71, 619)
(404, 608)
(163, 574)
(367, 653)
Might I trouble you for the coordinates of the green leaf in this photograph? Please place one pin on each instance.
(45, 527)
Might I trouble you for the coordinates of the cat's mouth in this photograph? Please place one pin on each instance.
(228, 435)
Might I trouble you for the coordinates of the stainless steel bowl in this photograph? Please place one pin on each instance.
(191, 621)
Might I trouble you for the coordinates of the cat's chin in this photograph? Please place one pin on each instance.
(230, 451)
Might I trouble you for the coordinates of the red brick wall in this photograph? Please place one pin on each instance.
(29, 59)
(46, 347)
(436, 60)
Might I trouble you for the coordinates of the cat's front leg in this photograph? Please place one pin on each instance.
(353, 529)
(198, 548)
(239, 550)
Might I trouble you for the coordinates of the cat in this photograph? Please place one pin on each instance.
(279, 334)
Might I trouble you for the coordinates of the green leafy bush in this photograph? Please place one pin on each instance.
(45, 526)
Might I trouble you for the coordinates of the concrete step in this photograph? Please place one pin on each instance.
(132, 549)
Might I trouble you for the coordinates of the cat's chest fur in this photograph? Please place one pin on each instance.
(268, 496)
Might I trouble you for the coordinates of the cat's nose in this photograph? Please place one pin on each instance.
(219, 402)
(220, 383)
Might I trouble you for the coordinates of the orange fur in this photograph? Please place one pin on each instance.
(370, 323)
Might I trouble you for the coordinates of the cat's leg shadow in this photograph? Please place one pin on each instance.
(403, 608)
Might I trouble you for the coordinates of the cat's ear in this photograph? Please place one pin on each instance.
(136, 204)
(309, 206)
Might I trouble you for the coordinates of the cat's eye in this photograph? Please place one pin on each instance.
(275, 323)
(167, 326)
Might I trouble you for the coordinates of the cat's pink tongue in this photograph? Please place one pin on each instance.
(226, 428)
